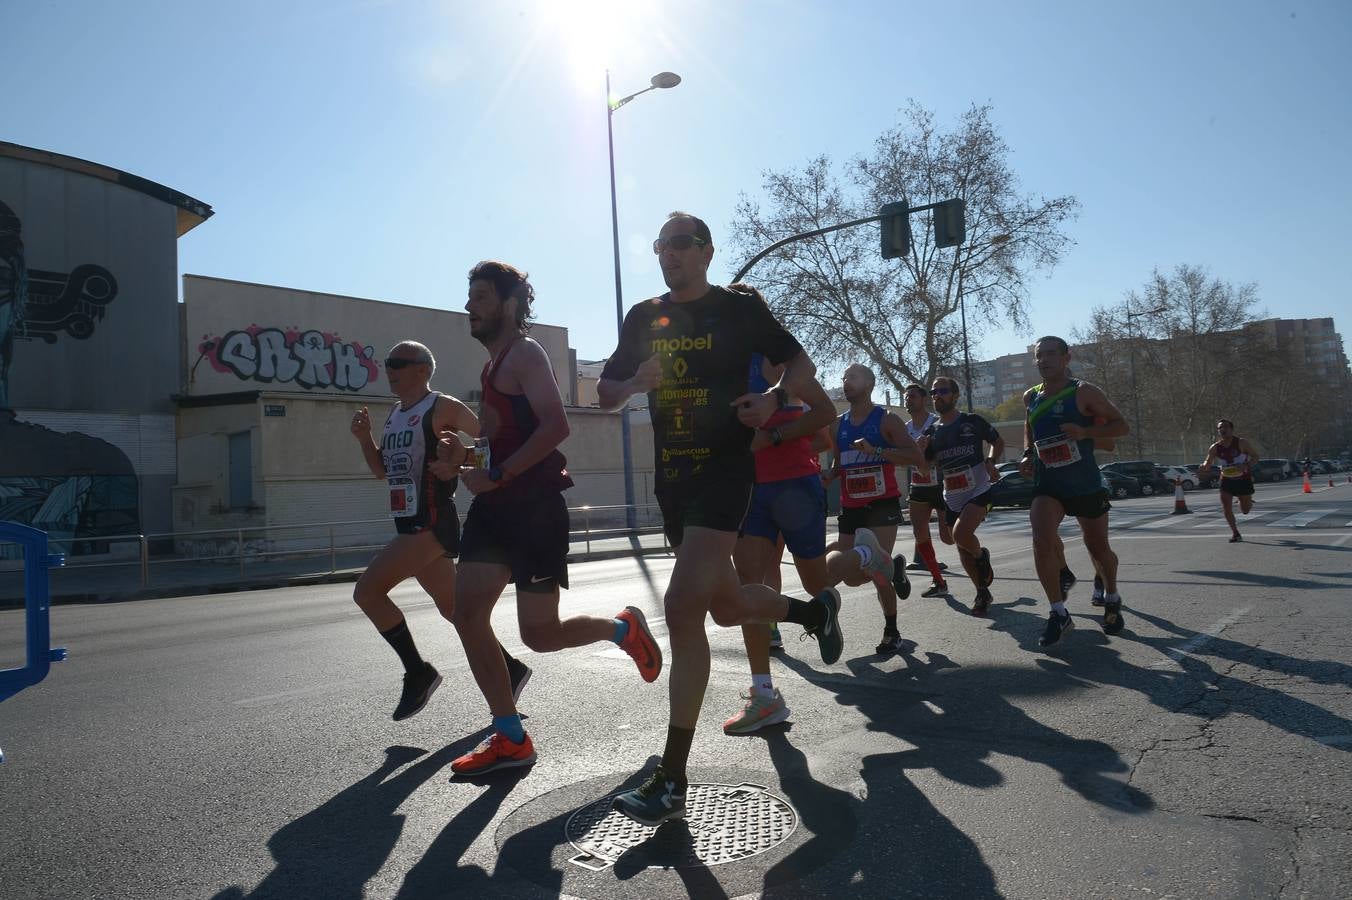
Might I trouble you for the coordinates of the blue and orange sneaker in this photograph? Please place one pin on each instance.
(639, 643)
(497, 752)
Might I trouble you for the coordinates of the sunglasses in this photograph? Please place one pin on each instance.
(678, 242)
(941, 391)
(396, 363)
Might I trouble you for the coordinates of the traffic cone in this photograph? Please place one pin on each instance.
(1330, 481)
(1180, 504)
(1306, 489)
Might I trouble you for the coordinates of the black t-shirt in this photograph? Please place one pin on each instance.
(958, 444)
(705, 346)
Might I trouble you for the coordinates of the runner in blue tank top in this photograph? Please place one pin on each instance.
(1065, 417)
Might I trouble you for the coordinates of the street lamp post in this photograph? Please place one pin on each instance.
(1135, 394)
(661, 80)
(962, 306)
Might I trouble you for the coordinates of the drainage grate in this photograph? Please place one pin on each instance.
(724, 823)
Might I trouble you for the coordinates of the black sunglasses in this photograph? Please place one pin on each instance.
(396, 363)
(678, 242)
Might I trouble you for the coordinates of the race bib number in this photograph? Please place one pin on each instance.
(961, 480)
(403, 498)
(925, 478)
(1057, 451)
(1232, 472)
(864, 483)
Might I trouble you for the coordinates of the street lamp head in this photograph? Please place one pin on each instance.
(666, 80)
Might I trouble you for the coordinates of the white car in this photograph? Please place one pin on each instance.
(1174, 473)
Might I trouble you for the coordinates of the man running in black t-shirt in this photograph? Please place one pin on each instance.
(690, 351)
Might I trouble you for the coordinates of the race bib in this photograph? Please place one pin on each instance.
(1057, 451)
(1232, 472)
(925, 479)
(960, 480)
(864, 483)
(403, 497)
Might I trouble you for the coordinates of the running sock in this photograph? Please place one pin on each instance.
(677, 752)
(401, 639)
(865, 555)
(763, 685)
(1112, 598)
(621, 630)
(510, 727)
(927, 554)
(803, 612)
(1065, 572)
(1059, 608)
(891, 625)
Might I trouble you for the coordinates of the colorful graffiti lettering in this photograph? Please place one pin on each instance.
(311, 359)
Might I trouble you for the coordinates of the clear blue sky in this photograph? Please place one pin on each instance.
(379, 149)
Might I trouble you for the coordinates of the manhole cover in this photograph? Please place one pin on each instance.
(724, 823)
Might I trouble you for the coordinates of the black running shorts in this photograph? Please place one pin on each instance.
(1237, 487)
(1085, 506)
(444, 524)
(933, 494)
(718, 505)
(877, 514)
(527, 534)
(982, 499)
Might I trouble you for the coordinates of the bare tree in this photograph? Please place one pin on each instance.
(844, 301)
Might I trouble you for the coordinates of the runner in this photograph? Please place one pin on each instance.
(925, 495)
(1065, 416)
(517, 527)
(1237, 457)
(690, 351)
(422, 503)
(869, 444)
(788, 508)
(955, 449)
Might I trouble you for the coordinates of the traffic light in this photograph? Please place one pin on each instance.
(950, 223)
(896, 230)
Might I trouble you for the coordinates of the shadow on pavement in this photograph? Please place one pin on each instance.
(1274, 581)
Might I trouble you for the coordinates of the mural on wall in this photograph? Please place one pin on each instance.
(73, 486)
(310, 359)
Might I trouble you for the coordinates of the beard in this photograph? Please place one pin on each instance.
(488, 330)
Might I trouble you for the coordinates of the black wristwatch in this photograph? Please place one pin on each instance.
(781, 397)
(776, 437)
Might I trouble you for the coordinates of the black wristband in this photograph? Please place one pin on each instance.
(781, 397)
(776, 437)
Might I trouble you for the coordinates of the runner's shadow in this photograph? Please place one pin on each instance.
(333, 851)
(1276, 581)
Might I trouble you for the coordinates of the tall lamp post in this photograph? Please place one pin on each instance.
(1135, 394)
(962, 306)
(661, 80)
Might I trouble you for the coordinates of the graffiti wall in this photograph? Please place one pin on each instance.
(89, 337)
(306, 359)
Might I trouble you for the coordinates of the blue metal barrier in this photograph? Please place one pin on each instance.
(37, 607)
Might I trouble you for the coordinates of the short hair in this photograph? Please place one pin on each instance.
(915, 387)
(952, 383)
(872, 378)
(425, 356)
(701, 229)
(1220, 422)
(511, 284)
(1060, 342)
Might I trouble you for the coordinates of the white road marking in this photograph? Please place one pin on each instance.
(1299, 520)
(1198, 640)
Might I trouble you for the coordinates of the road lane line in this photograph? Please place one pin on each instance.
(1177, 654)
(1299, 520)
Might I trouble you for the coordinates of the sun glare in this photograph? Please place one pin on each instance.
(593, 35)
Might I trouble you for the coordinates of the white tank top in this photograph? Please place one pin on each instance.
(917, 478)
(403, 448)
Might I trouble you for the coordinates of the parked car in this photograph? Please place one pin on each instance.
(1269, 470)
(1181, 473)
(1143, 470)
(1208, 482)
(1118, 485)
(1012, 490)
(1006, 467)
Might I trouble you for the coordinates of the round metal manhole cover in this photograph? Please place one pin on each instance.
(724, 823)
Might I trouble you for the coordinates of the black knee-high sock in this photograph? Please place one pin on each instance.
(677, 752)
(401, 639)
(805, 612)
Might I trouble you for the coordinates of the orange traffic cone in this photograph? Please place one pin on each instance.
(1180, 504)
(1306, 488)
(1330, 481)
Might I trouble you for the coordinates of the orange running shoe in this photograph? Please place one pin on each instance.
(495, 753)
(639, 643)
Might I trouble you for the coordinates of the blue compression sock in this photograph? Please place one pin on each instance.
(510, 728)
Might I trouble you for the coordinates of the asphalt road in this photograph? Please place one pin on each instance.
(239, 745)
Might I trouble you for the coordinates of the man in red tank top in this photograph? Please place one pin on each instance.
(1236, 457)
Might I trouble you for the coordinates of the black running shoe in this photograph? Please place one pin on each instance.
(891, 643)
(900, 583)
(1068, 580)
(829, 639)
(418, 689)
(984, 567)
(982, 604)
(659, 798)
(936, 589)
(1112, 617)
(519, 673)
(916, 566)
(1236, 538)
(1057, 625)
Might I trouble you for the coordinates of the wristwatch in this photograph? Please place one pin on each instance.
(781, 397)
(497, 475)
(776, 437)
